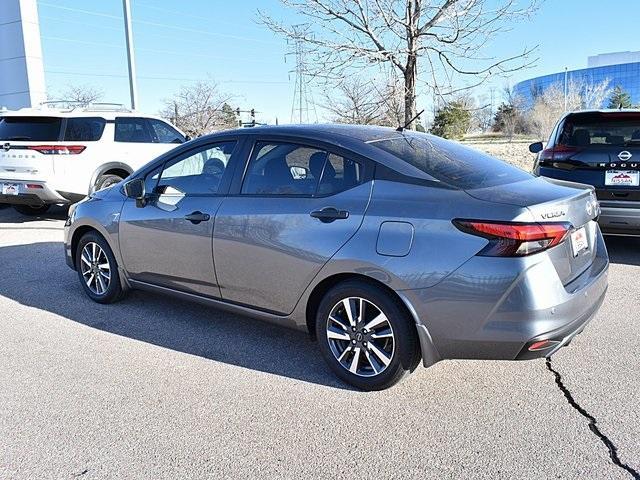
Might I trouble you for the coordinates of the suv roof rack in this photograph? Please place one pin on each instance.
(70, 105)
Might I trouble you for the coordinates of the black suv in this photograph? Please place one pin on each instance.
(599, 148)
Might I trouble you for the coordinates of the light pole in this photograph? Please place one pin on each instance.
(565, 89)
(133, 88)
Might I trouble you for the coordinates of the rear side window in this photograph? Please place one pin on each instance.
(598, 129)
(164, 133)
(456, 165)
(339, 174)
(37, 129)
(84, 129)
(284, 169)
(132, 130)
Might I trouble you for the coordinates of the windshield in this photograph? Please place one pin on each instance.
(450, 162)
(597, 129)
(37, 129)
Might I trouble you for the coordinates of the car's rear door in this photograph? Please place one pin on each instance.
(168, 240)
(295, 206)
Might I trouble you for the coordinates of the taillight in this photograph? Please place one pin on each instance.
(59, 149)
(557, 153)
(515, 239)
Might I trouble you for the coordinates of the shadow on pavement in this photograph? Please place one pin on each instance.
(36, 275)
(9, 215)
(625, 250)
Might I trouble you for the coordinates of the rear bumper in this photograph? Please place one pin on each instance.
(35, 194)
(495, 309)
(617, 220)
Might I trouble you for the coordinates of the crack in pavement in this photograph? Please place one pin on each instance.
(613, 450)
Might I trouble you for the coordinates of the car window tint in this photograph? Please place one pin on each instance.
(600, 129)
(37, 129)
(132, 130)
(339, 174)
(447, 161)
(199, 173)
(164, 133)
(284, 169)
(84, 129)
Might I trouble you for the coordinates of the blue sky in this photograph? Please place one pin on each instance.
(178, 43)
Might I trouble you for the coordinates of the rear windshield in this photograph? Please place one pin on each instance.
(84, 129)
(38, 129)
(450, 162)
(618, 129)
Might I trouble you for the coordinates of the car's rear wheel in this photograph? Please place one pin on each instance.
(97, 269)
(106, 181)
(366, 336)
(32, 210)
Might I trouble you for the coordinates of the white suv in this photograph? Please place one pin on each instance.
(59, 155)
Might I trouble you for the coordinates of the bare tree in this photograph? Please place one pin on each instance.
(366, 102)
(550, 104)
(482, 115)
(446, 36)
(594, 95)
(82, 94)
(199, 109)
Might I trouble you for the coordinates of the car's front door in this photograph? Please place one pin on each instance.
(297, 206)
(168, 240)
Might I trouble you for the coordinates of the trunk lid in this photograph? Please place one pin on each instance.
(548, 200)
(19, 162)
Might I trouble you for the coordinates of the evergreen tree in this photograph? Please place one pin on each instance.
(619, 99)
(451, 121)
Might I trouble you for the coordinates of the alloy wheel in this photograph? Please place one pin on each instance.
(360, 336)
(95, 268)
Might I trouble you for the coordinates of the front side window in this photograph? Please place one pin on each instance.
(132, 130)
(164, 133)
(84, 129)
(198, 173)
(34, 129)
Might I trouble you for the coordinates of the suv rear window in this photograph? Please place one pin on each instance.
(37, 129)
(456, 165)
(84, 129)
(585, 129)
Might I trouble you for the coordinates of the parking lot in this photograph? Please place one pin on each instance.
(159, 388)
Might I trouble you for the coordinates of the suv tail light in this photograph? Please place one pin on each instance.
(557, 153)
(59, 149)
(515, 239)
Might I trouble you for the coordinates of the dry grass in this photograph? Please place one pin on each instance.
(515, 152)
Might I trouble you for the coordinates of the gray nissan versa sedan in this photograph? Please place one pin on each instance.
(388, 246)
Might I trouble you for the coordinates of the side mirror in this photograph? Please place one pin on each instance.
(187, 138)
(536, 147)
(135, 189)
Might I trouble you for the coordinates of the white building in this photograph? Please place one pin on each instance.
(22, 81)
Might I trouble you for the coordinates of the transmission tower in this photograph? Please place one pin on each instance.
(303, 109)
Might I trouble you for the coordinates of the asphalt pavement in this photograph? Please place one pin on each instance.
(154, 388)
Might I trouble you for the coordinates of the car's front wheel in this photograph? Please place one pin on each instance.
(97, 269)
(366, 336)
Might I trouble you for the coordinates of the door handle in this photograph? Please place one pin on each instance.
(197, 217)
(329, 214)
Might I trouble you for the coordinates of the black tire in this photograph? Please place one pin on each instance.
(32, 211)
(406, 350)
(113, 291)
(106, 181)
